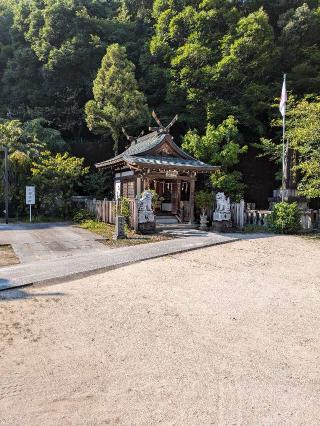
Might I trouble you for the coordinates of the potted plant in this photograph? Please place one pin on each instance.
(204, 200)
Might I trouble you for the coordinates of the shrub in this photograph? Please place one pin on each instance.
(285, 218)
(125, 208)
(82, 215)
(204, 200)
(122, 208)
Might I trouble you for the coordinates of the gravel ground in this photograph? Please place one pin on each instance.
(7, 255)
(227, 335)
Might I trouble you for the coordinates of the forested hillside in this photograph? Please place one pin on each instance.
(73, 72)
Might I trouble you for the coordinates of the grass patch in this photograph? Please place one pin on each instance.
(7, 256)
(259, 229)
(106, 230)
(35, 219)
(313, 236)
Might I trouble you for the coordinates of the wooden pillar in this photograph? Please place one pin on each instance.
(174, 198)
(146, 183)
(191, 200)
(138, 186)
(179, 196)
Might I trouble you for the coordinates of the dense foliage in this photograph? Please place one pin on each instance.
(34, 160)
(75, 71)
(285, 218)
(83, 215)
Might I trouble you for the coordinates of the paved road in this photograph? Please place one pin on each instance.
(98, 260)
(33, 242)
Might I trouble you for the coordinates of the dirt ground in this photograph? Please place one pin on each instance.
(227, 335)
(7, 255)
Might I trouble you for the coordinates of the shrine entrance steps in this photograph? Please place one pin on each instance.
(175, 227)
(166, 219)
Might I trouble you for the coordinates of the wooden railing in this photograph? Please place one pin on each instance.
(241, 216)
(257, 217)
(310, 220)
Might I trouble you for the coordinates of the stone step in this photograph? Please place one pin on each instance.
(166, 217)
(166, 220)
(175, 226)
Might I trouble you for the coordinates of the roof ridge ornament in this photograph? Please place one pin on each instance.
(132, 139)
(162, 128)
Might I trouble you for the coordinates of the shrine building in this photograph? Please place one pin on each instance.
(155, 162)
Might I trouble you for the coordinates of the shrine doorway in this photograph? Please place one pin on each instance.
(173, 194)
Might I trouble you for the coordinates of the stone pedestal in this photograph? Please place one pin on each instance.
(146, 222)
(222, 216)
(147, 227)
(119, 232)
(203, 222)
(222, 225)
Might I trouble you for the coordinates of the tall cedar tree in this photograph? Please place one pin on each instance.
(117, 100)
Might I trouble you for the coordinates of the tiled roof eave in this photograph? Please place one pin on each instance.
(111, 162)
(136, 162)
(197, 167)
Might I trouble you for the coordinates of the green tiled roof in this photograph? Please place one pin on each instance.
(143, 144)
(137, 154)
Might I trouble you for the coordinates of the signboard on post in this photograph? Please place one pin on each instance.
(30, 197)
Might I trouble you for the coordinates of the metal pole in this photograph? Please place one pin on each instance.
(30, 213)
(284, 162)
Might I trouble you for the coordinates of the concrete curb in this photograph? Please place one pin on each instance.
(116, 265)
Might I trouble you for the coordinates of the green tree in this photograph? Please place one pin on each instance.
(31, 137)
(187, 42)
(19, 177)
(220, 146)
(98, 185)
(38, 131)
(26, 143)
(117, 100)
(299, 45)
(10, 134)
(303, 135)
(205, 60)
(57, 178)
(67, 38)
(6, 48)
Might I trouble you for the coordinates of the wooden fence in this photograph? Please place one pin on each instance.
(241, 214)
(238, 214)
(105, 210)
